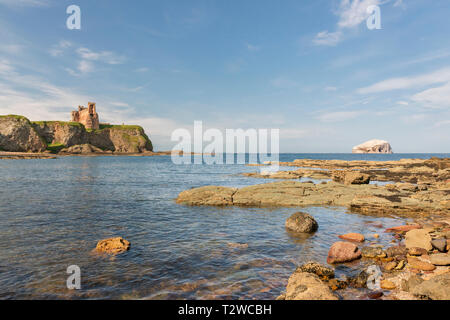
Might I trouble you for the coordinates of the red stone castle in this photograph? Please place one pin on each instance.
(87, 116)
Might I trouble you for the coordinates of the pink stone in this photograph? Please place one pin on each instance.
(343, 252)
(352, 237)
(405, 228)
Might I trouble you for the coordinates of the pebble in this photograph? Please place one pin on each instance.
(403, 228)
(390, 266)
(375, 295)
(421, 265)
(416, 251)
(357, 237)
(400, 265)
(440, 259)
(387, 284)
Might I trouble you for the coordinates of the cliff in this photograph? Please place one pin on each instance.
(373, 146)
(19, 134)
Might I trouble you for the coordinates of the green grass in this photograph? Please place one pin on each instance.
(124, 127)
(55, 147)
(69, 123)
(15, 116)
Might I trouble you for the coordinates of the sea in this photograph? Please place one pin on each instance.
(54, 211)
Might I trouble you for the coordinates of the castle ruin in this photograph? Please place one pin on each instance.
(87, 116)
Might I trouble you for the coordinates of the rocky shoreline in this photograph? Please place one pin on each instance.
(415, 266)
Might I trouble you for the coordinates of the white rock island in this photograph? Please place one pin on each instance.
(373, 146)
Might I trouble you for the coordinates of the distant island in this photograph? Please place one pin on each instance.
(83, 135)
(373, 146)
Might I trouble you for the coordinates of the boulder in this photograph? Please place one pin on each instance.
(437, 288)
(439, 244)
(418, 238)
(307, 286)
(357, 237)
(343, 252)
(82, 149)
(373, 146)
(350, 177)
(113, 245)
(301, 222)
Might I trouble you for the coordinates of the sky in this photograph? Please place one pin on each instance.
(312, 69)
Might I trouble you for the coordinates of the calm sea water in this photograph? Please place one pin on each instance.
(53, 212)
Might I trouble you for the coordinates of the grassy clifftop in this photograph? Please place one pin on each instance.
(58, 135)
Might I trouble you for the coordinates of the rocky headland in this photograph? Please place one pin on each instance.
(417, 263)
(18, 134)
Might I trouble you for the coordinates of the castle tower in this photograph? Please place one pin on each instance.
(87, 116)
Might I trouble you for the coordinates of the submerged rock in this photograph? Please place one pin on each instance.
(373, 146)
(307, 286)
(113, 245)
(301, 222)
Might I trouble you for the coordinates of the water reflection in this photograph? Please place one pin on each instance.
(54, 212)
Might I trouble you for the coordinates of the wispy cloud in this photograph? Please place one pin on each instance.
(25, 3)
(38, 99)
(328, 38)
(439, 76)
(438, 97)
(252, 47)
(339, 116)
(103, 56)
(58, 49)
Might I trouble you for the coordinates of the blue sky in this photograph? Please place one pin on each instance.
(310, 68)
